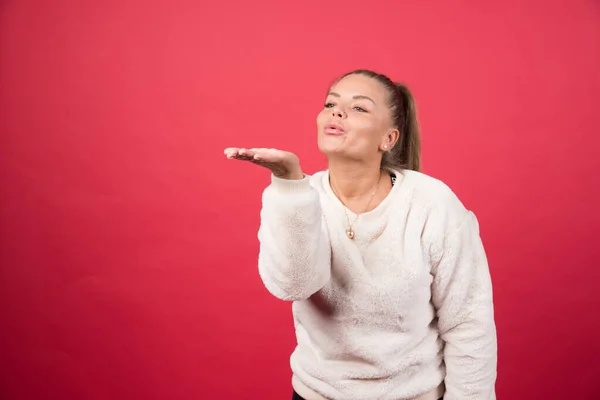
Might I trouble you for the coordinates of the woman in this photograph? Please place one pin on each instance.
(392, 296)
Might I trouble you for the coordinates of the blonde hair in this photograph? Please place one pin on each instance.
(406, 154)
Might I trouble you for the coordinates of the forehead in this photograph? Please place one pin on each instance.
(353, 85)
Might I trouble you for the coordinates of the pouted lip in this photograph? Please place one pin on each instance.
(334, 129)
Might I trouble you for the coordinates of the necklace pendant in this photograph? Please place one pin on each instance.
(350, 234)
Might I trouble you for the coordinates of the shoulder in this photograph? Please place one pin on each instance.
(426, 185)
(442, 208)
(317, 180)
(429, 190)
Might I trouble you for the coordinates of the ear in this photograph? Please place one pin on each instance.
(389, 140)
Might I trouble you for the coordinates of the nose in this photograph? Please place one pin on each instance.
(338, 112)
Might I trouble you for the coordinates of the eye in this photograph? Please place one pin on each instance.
(328, 105)
(360, 109)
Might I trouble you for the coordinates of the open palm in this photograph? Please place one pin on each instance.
(282, 164)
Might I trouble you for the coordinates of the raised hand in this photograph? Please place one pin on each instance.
(282, 164)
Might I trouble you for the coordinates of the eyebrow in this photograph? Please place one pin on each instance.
(357, 97)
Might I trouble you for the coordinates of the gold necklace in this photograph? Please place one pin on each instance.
(350, 230)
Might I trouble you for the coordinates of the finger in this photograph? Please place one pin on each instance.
(231, 152)
(246, 153)
(271, 155)
(258, 153)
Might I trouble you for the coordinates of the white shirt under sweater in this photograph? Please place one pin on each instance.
(404, 306)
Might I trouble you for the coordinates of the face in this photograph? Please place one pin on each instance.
(356, 120)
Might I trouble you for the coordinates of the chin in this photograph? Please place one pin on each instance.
(330, 149)
(332, 144)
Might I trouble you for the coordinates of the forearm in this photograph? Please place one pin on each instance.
(470, 356)
(462, 293)
(294, 258)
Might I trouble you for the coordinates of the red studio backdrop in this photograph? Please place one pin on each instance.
(128, 243)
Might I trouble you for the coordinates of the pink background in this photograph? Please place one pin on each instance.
(128, 242)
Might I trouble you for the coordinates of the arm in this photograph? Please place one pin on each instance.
(295, 255)
(462, 295)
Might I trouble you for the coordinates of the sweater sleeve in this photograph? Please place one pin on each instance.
(462, 295)
(295, 254)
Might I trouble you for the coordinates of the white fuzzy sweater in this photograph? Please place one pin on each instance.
(390, 315)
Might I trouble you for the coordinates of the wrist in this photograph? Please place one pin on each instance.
(288, 185)
(292, 175)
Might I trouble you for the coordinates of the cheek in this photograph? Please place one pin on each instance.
(322, 117)
(365, 129)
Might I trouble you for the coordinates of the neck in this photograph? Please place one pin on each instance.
(353, 180)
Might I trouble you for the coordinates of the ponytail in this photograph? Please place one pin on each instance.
(406, 154)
